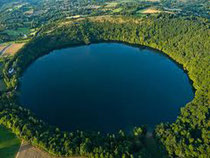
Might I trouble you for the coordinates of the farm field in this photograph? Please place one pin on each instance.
(11, 50)
(28, 151)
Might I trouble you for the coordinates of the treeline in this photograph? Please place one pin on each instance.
(185, 40)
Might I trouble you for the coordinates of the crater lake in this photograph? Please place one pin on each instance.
(105, 87)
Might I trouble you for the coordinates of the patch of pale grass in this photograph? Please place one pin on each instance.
(151, 11)
(13, 49)
(28, 151)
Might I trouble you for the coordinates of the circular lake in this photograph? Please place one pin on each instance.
(105, 87)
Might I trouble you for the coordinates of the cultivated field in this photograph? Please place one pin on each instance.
(28, 151)
(13, 48)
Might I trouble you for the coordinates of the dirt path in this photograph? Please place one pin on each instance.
(4, 48)
(12, 48)
(28, 151)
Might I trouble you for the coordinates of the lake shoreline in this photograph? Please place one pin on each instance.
(69, 55)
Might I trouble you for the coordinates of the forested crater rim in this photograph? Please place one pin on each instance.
(152, 32)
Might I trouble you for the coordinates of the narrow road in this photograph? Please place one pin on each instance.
(3, 50)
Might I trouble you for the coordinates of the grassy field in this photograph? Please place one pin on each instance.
(117, 10)
(13, 48)
(9, 144)
(28, 151)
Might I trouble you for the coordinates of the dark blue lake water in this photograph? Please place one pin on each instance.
(106, 87)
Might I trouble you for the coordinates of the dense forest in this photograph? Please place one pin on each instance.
(184, 39)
